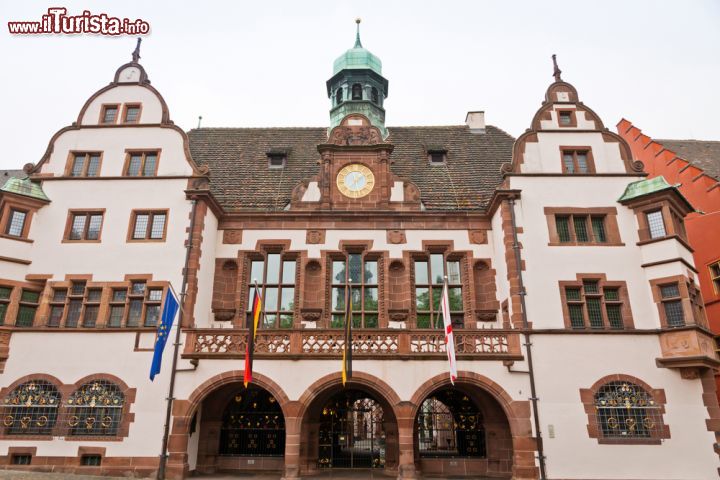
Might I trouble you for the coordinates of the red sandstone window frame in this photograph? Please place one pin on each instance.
(448, 256)
(689, 297)
(73, 154)
(588, 399)
(263, 256)
(362, 286)
(103, 113)
(131, 238)
(125, 112)
(609, 219)
(603, 285)
(143, 154)
(572, 116)
(714, 272)
(88, 214)
(574, 150)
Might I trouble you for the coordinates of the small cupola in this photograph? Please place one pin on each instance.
(357, 86)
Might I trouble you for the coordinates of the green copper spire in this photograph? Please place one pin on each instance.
(357, 86)
(358, 44)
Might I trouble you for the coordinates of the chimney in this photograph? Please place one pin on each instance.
(476, 121)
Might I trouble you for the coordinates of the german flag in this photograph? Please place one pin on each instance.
(252, 332)
(347, 346)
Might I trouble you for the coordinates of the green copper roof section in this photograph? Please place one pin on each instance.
(357, 57)
(23, 186)
(649, 186)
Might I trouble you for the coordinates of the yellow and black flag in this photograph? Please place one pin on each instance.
(252, 332)
(347, 346)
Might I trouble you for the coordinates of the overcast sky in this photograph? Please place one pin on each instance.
(265, 63)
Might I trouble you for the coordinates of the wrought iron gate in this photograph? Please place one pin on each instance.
(351, 432)
(253, 425)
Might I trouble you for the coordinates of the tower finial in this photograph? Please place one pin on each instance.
(357, 35)
(136, 52)
(556, 69)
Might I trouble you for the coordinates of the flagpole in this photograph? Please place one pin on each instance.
(176, 345)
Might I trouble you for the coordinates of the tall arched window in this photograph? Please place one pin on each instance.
(626, 410)
(374, 95)
(449, 424)
(357, 92)
(339, 96)
(31, 409)
(95, 409)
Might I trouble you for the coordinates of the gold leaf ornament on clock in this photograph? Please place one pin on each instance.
(355, 180)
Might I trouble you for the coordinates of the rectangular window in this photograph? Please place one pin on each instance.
(429, 279)
(595, 305)
(437, 157)
(576, 161)
(715, 276)
(117, 308)
(148, 225)
(109, 114)
(21, 459)
(84, 164)
(275, 277)
(135, 303)
(141, 164)
(57, 307)
(132, 114)
(4, 302)
(75, 298)
(92, 307)
(672, 305)
(29, 300)
(581, 228)
(16, 223)
(565, 118)
(276, 160)
(656, 224)
(152, 306)
(360, 274)
(85, 226)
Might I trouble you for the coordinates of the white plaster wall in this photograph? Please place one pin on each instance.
(665, 250)
(414, 238)
(546, 265)
(70, 356)
(544, 155)
(687, 455)
(498, 261)
(151, 106)
(113, 142)
(12, 270)
(206, 274)
(113, 257)
(16, 249)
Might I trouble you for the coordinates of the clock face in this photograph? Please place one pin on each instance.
(355, 180)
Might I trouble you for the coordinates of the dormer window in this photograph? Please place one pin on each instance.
(277, 159)
(374, 96)
(437, 156)
(357, 92)
(132, 114)
(339, 96)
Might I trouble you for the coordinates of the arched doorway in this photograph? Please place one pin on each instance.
(462, 430)
(352, 433)
(352, 426)
(239, 429)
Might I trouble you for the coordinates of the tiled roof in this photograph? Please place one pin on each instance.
(704, 154)
(240, 178)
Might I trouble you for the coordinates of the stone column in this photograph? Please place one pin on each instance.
(291, 471)
(406, 442)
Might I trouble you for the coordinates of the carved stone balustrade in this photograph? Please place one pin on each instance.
(389, 344)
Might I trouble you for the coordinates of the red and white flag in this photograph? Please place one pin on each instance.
(449, 337)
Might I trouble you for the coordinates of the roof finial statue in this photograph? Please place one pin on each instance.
(357, 36)
(556, 69)
(136, 52)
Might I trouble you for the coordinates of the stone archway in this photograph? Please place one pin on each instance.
(317, 396)
(510, 446)
(217, 389)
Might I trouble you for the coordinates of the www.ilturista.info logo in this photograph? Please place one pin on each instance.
(57, 21)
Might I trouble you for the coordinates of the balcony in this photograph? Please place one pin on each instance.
(388, 344)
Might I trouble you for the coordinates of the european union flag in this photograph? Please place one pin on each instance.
(170, 309)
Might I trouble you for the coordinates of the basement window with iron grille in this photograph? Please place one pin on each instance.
(21, 459)
(90, 460)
